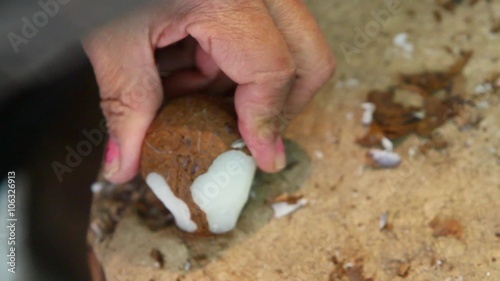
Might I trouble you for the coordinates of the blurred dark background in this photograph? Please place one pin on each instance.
(48, 98)
(38, 124)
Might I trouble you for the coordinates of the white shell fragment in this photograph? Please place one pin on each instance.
(282, 209)
(369, 109)
(224, 189)
(176, 206)
(319, 154)
(484, 88)
(384, 159)
(97, 187)
(238, 144)
(401, 41)
(349, 83)
(387, 144)
(383, 220)
(419, 114)
(483, 104)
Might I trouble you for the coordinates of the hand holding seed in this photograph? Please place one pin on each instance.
(272, 50)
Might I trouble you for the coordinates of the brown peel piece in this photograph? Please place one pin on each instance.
(396, 131)
(436, 113)
(460, 64)
(373, 137)
(403, 269)
(447, 227)
(448, 5)
(288, 198)
(393, 120)
(436, 141)
(428, 81)
(380, 98)
(157, 256)
(351, 272)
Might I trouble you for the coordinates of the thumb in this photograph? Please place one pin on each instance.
(131, 93)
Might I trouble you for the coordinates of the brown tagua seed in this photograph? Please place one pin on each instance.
(181, 144)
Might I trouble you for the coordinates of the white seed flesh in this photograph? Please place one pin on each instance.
(176, 206)
(224, 189)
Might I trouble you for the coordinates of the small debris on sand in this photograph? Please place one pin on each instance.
(387, 144)
(368, 109)
(157, 256)
(447, 227)
(97, 187)
(383, 222)
(448, 5)
(495, 27)
(435, 142)
(493, 80)
(497, 230)
(419, 104)
(403, 270)
(319, 154)
(377, 158)
(401, 41)
(437, 16)
(285, 204)
(353, 271)
(483, 88)
(238, 144)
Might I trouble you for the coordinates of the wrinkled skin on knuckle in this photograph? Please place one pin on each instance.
(322, 74)
(283, 77)
(218, 12)
(260, 109)
(221, 29)
(118, 107)
(320, 70)
(326, 68)
(224, 35)
(137, 94)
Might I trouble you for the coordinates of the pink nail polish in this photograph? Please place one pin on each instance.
(280, 155)
(112, 158)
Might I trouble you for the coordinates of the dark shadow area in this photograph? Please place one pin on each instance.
(41, 125)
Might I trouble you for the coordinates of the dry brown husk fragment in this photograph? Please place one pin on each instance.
(441, 99)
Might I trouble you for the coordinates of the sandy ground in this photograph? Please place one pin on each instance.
(337, 235)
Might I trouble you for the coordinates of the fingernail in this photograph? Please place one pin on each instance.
(279, 156)
(112, 160)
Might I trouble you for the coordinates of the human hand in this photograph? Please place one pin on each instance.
(273, 50)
